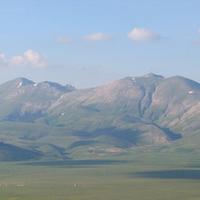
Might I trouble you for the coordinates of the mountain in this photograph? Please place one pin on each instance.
(59, 121)
(23, 100)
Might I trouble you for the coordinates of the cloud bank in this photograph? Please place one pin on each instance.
(29, 58)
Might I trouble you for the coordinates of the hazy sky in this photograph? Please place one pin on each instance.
(89, 42)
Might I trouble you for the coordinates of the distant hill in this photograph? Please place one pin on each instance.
(59, 121)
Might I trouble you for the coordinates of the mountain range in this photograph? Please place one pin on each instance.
(51, 121)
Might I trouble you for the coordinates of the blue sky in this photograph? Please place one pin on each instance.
(90, 42)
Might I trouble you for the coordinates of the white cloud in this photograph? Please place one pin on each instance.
(29, 58)
(142, 34)
(64, 40)
(98, 37)
(34, 58)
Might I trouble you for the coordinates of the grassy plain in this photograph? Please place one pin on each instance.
(138, 176)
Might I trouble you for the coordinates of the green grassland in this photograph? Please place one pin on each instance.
(135, 176)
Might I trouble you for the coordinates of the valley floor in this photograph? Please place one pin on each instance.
(146, 178)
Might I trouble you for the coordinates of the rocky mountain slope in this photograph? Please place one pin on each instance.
(24, 100)
(56, 121)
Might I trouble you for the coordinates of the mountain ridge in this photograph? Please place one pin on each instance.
(125, 113)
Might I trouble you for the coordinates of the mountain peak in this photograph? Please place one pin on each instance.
(21, 81)
(55, 85)
(24, 80)
(152, 75)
